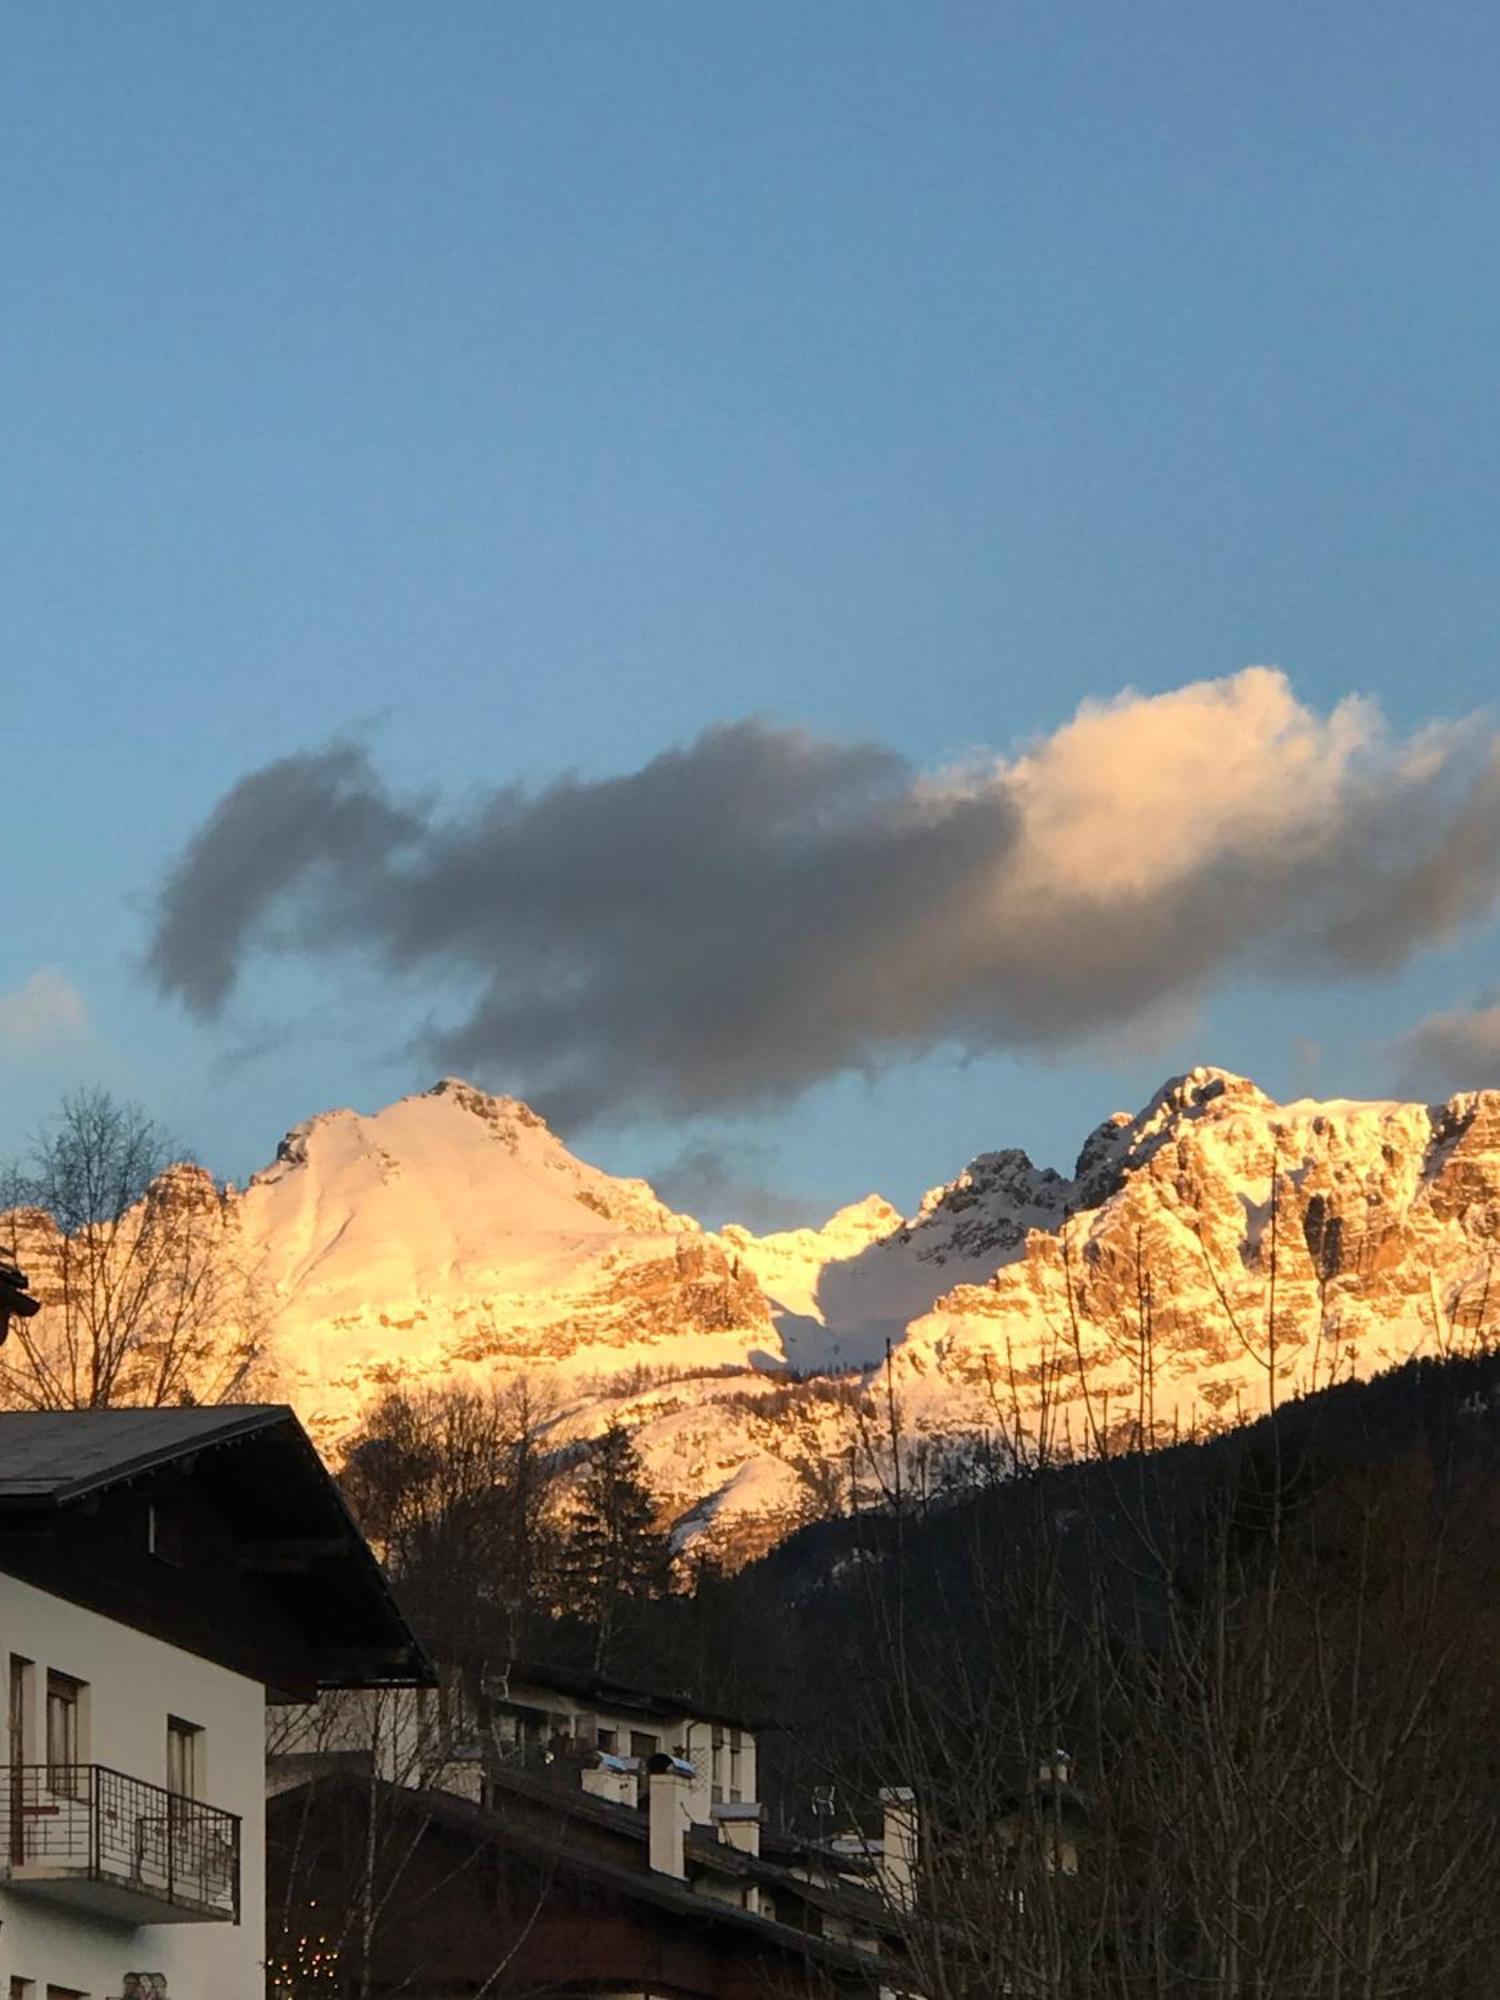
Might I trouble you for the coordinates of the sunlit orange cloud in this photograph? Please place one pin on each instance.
(761, 909)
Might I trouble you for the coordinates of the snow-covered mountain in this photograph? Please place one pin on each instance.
(453, 1234)
(1220, 1250)
(1209, 1252)
(842, 1293)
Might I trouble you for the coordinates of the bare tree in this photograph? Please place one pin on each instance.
(1271, 1660)
(384, 1740)
(457, 1489)
(135, 1256)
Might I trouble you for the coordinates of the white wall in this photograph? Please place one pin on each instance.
(134, 1684)
(409, 1734)
(684, 1736)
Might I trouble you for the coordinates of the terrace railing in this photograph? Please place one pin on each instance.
(91, 1835)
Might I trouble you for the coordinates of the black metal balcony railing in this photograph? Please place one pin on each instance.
(154, 1857)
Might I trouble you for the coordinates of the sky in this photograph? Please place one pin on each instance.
(815, 588)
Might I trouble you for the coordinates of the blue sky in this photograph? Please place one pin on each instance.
(524, 389)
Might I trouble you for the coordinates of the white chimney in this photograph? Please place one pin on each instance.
(738, 1825)
(612, 1778)
(670, 1782)
(897, 1864)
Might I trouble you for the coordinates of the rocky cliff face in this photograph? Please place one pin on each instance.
(1220, 1250)
(1209, 1252)
(1212, 1253)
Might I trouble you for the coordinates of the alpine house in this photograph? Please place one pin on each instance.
(163, 1574)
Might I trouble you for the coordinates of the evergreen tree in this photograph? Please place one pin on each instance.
(615, 1552)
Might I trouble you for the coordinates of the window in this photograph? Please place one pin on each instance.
(736, 1748)
(21, 1989)
(64, 1734)
(184, 1758)
(164, 1531)
(606, 1739)
(20, 1711)
(21, 1752)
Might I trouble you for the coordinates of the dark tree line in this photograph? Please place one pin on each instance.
(1217, 1720)
(502, 1542)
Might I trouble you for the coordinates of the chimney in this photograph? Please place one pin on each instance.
(669, 1783)
(738, 1825)
(612, 1778)
(897, 1865)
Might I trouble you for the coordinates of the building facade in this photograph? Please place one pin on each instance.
(542, 1830)
(162, 1575)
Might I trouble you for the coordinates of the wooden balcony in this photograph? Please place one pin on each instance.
(97, 1840)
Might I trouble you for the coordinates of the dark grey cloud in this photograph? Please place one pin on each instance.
(1458, 1049)
(759, 910)
(305, 833)
(729, 1181)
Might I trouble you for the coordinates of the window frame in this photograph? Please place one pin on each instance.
(65, 1713)
(184, 1745)
(164, 1532)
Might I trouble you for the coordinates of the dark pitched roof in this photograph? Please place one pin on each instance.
(258, 1469)
(1046, 1800)
(651, 1704)
(549, 1841)
(565, 1798)
(53, 1456)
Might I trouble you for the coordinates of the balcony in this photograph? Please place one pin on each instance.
(96, 1840)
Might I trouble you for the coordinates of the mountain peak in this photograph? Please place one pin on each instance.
(1128, 1139)
(1191, 1094)
(451, 1235)
(493, 1108)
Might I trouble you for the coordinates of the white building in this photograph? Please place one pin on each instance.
(535, 1714)
(163, 1573)
(533, 1717)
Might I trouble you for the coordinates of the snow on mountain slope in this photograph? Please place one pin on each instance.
(842, 1292)
(736, 1461)
(1207, 1252)
(790, 1267)
(1226, 1251)
(454, 1234)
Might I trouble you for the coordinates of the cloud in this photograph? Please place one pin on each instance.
(43, 1010)
(320, 825)
(762, 909)
(721, 1183)
(1458, 1049)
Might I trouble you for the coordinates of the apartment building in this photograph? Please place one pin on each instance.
(163, 1575)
